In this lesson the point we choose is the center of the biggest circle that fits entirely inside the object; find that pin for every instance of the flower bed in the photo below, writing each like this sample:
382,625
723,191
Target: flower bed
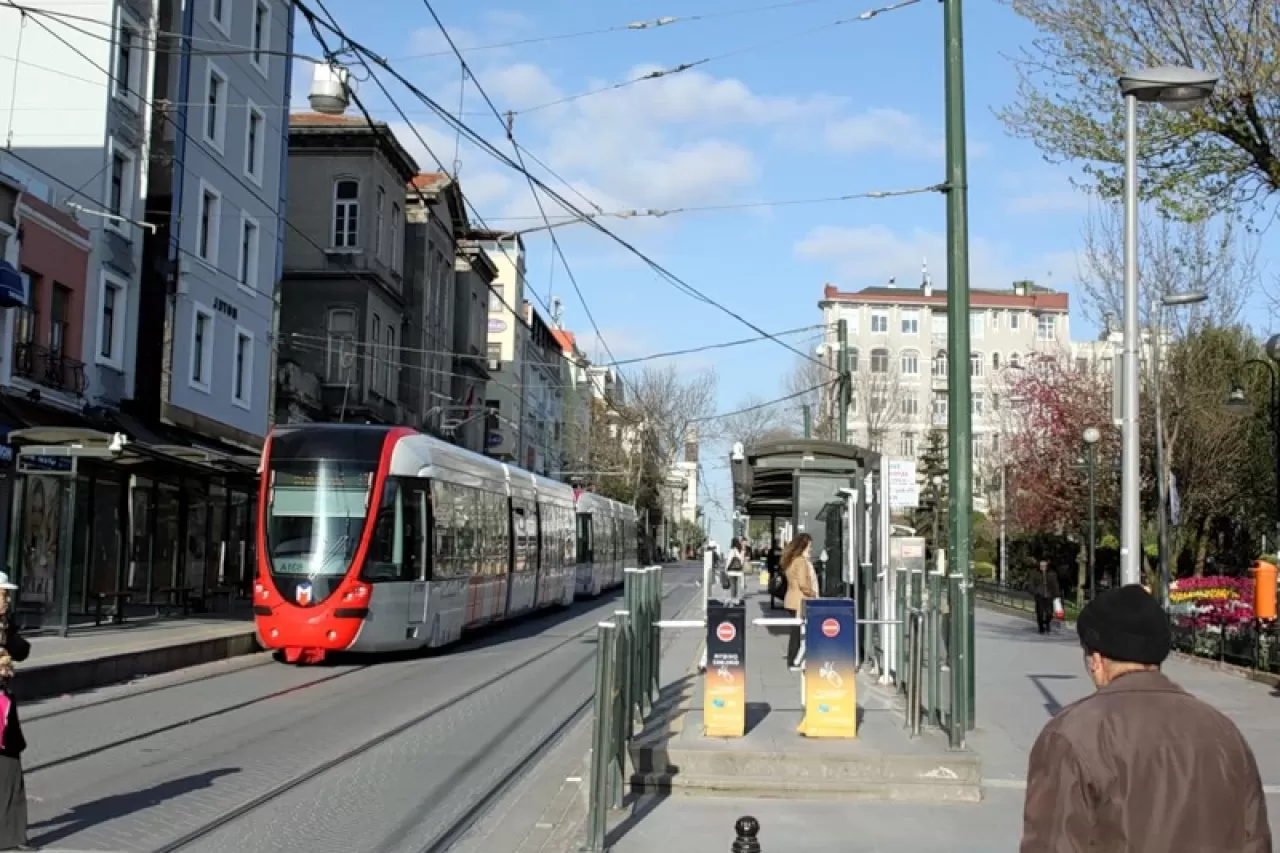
1213,618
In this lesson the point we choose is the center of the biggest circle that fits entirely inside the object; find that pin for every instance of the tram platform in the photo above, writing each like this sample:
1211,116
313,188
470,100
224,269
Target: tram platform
97,657
773,760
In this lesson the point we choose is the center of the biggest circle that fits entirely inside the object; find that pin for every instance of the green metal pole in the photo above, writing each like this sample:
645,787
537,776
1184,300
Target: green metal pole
808,421
935,648
959,412
842,364
598,801
624,664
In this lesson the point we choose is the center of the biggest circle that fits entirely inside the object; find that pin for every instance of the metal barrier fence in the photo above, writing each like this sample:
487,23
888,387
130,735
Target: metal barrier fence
923,647
627,682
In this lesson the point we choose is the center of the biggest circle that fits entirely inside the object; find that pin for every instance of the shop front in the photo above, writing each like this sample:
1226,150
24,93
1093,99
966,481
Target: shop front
107,529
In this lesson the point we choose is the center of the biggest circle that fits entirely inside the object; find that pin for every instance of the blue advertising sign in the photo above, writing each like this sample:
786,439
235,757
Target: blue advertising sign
830,668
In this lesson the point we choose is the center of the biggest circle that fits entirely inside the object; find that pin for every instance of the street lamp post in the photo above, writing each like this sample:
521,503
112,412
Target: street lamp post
1173,300
1091,436
1174,87
1238,401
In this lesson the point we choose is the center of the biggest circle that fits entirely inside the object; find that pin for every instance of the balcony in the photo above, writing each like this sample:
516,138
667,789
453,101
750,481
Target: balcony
49,368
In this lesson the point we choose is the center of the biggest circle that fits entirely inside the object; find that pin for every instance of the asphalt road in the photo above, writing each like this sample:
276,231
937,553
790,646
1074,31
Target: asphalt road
139,773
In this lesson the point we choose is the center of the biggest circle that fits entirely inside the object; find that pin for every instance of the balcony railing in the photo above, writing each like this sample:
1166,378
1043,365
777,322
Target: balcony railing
49,368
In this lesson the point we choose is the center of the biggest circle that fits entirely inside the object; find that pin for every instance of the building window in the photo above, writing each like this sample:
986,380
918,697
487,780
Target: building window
975,364
120,190
249,249
346,214
255,143
940,408
394,237
112,303
879,361
939,323
209,224
130,59
940,365
340,356
976,325
495,357
59,312
243,388
27,318
911,322
907,444
979,404
393,363
215,107
910,363
995,361
1046,327
910,405
220,15
496,297
377,223
879,321
261,36
853,360
1014,363
201,347
375,369
1015,321
879,402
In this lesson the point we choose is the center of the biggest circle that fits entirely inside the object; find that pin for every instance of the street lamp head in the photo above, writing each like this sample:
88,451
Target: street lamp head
1091,435
1237,401
1180,88
1186,297
1273,347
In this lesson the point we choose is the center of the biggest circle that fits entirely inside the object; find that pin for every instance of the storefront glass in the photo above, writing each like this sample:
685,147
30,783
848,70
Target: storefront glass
196,535
142,539
104,567
166,552
218,558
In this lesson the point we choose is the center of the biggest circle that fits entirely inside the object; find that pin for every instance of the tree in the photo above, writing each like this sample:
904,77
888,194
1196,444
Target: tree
1215,159
612,467
690,535
877,396
756,420
933,505
812,384
1213,258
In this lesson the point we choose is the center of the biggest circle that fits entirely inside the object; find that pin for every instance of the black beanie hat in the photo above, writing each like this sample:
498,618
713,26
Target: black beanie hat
1126,625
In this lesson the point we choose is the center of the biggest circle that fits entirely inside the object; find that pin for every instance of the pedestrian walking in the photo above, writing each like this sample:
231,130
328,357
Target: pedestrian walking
1140,766
1045,587
13,790
802,585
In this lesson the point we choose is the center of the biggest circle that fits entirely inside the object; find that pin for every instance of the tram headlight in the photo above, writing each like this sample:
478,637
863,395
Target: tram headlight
358,592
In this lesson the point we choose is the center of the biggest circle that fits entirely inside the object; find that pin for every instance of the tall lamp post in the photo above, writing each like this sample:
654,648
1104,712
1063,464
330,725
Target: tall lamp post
1091,436
1179,88
1238,401
1172,300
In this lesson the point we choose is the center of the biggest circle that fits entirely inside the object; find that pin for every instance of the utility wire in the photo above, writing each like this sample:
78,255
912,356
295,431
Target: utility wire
765,405
686,66
456,123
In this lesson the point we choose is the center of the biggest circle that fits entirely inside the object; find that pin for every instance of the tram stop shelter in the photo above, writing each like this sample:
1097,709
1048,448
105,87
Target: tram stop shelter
835,492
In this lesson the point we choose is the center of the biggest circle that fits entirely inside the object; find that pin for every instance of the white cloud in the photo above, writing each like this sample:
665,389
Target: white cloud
1041,191
872,255
884,130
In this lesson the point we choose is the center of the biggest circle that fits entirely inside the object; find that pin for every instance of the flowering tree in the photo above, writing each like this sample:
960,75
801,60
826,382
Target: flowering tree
1050,406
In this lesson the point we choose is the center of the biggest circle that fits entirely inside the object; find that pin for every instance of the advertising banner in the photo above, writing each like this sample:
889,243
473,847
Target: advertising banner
830,668
724,706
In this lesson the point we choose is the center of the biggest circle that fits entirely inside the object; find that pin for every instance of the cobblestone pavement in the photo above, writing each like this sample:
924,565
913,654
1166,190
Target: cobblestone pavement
135,773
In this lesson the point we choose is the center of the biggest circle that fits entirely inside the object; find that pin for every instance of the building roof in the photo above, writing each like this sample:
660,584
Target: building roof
312,127
567,341
307,119
429,182
1035,298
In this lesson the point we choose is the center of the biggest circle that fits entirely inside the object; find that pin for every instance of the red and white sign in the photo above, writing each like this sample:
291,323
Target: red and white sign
725,632
830,627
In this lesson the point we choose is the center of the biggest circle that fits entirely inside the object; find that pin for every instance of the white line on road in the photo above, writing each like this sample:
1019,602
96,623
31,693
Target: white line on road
1021,785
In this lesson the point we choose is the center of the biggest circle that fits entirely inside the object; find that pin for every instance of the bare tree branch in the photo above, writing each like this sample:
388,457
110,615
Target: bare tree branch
668,404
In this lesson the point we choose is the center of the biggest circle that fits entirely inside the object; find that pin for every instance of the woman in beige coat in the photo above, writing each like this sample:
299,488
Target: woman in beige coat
802,585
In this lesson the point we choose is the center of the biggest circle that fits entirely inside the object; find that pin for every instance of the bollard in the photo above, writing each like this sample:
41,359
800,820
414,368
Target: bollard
655,645
746,829
621,699
916,676
901,577
633,591
935,649
598,796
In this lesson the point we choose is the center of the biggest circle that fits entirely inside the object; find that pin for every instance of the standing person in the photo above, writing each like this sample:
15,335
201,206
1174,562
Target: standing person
1044,585
736,562
13,791
802,585
1141,766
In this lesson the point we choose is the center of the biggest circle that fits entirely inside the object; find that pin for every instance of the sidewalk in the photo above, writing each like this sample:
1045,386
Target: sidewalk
1022,679
109,655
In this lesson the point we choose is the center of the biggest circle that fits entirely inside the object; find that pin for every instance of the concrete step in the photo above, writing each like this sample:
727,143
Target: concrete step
946,777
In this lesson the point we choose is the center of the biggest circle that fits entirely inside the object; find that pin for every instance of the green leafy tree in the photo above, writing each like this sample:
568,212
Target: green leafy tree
933,495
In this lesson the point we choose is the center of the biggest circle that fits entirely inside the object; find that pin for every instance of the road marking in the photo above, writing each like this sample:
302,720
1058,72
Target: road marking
576,780
1021,785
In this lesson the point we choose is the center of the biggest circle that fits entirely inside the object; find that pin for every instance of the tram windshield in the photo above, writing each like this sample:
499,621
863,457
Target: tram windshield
316,515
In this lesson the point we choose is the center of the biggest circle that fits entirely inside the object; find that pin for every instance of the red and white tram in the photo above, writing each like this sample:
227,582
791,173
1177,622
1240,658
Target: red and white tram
375,538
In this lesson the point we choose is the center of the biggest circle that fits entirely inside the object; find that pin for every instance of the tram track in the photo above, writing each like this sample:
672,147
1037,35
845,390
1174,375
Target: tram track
457,827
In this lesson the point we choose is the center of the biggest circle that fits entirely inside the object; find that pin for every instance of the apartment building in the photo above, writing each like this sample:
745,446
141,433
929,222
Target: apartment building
507,344
474,275
345,306
542,430
576,403
898,358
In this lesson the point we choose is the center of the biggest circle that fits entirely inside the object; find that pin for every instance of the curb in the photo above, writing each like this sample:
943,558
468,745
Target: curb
56,679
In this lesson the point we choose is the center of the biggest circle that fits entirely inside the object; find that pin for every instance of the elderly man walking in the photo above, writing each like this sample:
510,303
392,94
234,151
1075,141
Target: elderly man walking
1140,766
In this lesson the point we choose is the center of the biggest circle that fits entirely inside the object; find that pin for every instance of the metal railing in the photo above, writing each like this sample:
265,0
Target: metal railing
627,682
922,648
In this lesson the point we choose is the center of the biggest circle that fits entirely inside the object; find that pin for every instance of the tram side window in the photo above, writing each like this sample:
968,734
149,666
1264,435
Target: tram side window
385,560
446,531
415,532
497,533
569,535
584,538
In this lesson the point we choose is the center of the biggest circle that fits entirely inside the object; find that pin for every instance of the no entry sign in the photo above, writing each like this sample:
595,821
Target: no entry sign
725,632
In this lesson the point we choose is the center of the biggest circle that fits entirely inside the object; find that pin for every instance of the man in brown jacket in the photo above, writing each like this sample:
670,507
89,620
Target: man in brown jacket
1141,766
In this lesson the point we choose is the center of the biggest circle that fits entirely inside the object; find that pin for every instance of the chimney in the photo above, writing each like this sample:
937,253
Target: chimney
926,283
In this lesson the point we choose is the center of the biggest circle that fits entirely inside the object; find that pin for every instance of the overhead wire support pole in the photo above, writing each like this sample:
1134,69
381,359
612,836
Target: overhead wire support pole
842,363
959,406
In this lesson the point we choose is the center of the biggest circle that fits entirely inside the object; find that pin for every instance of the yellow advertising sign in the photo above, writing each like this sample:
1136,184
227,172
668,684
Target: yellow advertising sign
830,669
724,706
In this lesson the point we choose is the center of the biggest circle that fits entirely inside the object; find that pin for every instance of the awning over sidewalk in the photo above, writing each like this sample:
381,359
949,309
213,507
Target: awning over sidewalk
764,481
120,448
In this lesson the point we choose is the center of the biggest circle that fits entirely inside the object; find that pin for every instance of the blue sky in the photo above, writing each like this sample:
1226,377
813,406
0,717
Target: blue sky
839,110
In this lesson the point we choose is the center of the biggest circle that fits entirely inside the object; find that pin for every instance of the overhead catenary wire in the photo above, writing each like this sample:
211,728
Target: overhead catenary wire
454,122
765,405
